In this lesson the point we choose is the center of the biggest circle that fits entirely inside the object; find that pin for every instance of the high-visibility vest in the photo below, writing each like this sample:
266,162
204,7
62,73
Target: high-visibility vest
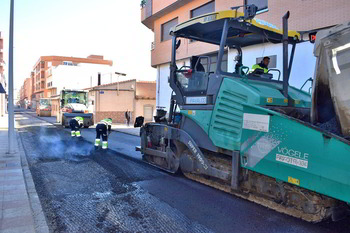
257,66
106,122
80,120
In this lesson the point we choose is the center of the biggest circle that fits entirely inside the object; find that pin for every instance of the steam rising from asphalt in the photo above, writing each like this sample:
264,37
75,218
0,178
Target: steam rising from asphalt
56,148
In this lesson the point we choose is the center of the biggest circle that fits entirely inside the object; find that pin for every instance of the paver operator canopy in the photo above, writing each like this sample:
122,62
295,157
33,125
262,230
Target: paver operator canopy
209,28
231,29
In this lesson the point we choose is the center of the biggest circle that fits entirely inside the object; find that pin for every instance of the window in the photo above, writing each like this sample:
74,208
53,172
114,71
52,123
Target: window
49,72
165,29
204,9
67,63
213,61
273,61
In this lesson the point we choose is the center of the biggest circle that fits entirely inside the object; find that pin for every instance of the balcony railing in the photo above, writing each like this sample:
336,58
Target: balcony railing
146,10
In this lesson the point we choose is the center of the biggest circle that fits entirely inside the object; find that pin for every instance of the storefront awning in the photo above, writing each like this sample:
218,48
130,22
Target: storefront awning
2,90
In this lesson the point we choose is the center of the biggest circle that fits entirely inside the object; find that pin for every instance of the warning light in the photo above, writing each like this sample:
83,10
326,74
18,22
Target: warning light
312,37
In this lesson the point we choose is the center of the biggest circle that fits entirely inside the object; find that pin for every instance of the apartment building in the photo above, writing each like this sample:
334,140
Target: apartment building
3,85
51,74
114,99
159,16
26,93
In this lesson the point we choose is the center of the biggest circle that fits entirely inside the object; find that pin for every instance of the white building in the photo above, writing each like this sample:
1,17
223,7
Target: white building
78,76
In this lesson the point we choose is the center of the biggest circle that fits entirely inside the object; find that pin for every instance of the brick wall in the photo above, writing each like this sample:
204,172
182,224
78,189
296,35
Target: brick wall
117,116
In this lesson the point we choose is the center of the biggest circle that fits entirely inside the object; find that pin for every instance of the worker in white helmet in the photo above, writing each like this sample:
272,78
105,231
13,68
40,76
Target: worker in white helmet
103,128
75,124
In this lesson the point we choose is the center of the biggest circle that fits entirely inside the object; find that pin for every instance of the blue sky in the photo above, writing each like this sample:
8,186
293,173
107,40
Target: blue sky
78,28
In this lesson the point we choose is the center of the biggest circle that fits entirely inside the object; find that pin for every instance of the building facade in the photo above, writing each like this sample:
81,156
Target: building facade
159,16
114,99
44,82
26,94
51,74
3,84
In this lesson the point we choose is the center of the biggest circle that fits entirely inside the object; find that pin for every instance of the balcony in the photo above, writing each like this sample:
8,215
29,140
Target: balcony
155,9
146,10
42,74
42,85
49,72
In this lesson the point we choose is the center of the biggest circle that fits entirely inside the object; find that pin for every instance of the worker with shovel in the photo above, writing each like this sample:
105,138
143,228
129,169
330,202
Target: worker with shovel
103,128
75,124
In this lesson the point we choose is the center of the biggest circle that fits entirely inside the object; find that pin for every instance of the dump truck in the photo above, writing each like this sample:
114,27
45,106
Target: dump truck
252,134
43,108
74,103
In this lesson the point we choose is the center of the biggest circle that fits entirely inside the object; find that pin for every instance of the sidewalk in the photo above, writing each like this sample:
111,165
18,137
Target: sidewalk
125,129
20,208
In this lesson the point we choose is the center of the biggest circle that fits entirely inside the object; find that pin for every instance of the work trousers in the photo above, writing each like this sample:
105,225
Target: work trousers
74,126
101,130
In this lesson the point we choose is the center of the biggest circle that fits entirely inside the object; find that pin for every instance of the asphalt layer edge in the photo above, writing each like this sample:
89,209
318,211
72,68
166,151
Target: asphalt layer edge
40,223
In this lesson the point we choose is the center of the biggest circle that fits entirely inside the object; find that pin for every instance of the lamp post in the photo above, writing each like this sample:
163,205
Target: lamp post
119,74
11,129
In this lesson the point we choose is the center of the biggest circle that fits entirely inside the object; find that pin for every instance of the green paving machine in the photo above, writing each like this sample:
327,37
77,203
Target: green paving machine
252,134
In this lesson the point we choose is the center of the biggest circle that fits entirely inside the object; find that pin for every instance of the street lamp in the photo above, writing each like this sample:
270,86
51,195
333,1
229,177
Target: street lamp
119,74
11,129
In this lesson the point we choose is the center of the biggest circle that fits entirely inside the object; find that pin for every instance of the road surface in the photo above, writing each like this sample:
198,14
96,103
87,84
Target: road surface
87,190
